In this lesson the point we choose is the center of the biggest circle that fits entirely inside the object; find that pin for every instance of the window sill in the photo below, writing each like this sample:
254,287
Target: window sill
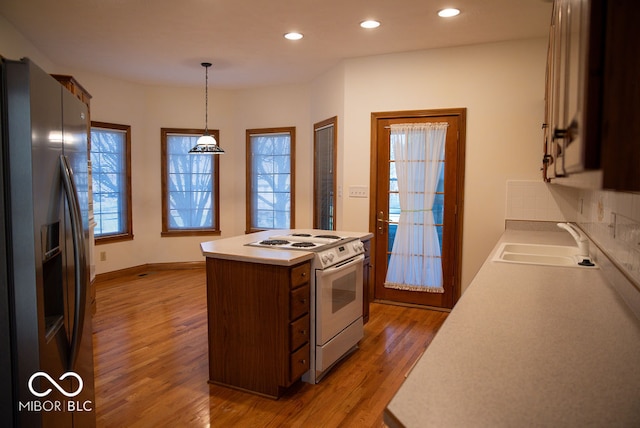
203,232
108,239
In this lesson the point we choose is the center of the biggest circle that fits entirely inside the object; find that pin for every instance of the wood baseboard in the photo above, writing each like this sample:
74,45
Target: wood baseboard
411,305
147,268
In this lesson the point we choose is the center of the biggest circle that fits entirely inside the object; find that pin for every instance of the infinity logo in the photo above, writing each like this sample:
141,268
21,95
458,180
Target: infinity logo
54,383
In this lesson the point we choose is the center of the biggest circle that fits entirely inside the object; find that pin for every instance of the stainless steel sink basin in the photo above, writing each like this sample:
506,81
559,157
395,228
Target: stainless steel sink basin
535,254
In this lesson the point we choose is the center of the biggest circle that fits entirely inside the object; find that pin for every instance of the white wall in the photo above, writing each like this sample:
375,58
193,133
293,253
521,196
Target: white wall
14,46
502,87
500,84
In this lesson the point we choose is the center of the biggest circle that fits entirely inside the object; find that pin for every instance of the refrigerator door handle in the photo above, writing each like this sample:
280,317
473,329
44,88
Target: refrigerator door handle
79,257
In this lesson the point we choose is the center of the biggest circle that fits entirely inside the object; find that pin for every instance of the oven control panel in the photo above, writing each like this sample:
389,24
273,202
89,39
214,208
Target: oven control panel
340,253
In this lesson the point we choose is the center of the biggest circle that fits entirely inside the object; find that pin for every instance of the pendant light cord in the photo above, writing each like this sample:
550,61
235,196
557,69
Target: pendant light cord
206,66
206,143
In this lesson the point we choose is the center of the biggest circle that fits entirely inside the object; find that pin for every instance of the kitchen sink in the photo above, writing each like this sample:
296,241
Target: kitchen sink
537,254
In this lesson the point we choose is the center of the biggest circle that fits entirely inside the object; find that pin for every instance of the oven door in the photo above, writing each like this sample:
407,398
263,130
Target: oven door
338,298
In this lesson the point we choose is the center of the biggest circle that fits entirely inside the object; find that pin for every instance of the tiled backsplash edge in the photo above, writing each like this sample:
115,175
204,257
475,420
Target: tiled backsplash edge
532,225
627,288
612,222
612,219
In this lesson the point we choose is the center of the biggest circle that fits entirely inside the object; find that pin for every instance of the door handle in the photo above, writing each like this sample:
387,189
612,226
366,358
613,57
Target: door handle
79,258
381,222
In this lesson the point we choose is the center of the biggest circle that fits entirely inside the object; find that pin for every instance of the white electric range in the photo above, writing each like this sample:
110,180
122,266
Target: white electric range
336,294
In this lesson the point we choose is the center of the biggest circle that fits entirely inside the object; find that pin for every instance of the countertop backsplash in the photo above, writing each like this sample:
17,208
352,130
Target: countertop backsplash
539,201
611,219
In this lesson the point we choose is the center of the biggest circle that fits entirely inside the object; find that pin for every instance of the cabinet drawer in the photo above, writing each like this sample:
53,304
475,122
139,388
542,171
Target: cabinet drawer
299,363
300,275
299,332
299,304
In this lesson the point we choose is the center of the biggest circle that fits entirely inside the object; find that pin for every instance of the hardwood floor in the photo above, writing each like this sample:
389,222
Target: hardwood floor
151,368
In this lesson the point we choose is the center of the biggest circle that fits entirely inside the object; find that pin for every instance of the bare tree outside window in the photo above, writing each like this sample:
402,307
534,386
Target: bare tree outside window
270,178
111,181
189,182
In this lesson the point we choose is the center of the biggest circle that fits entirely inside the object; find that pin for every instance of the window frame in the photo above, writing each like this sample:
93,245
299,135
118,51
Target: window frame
128,233
291,130
215,183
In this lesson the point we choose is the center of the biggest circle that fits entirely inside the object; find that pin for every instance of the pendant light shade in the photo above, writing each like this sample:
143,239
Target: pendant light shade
206,143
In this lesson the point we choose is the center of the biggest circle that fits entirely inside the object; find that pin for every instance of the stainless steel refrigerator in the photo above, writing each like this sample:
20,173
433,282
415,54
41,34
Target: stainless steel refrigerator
46,350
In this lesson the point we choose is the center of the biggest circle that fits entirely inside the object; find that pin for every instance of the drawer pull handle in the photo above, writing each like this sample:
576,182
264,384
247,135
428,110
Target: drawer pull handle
303,300
304,274
303,361
303,331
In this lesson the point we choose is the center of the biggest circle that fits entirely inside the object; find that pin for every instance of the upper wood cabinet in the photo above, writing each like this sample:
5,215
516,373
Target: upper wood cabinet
74,87
592,97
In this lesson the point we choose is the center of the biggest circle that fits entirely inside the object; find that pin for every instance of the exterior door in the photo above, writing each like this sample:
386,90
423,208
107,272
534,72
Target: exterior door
385,208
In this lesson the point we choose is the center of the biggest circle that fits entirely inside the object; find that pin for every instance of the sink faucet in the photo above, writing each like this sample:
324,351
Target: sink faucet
581,240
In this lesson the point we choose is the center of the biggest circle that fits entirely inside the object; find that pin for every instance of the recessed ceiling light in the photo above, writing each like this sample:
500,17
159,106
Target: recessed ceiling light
370,23
448,13
293,36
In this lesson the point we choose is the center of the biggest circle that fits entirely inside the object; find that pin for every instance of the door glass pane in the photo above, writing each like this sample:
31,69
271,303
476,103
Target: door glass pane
394,206
324,178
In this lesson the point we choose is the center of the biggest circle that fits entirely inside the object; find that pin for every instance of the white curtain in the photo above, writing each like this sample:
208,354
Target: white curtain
415,262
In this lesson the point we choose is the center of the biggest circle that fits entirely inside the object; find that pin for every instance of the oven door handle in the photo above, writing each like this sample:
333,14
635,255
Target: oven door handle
342,266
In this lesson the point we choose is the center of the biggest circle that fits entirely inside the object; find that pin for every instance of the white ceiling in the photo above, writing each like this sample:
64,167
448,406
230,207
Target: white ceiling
164,41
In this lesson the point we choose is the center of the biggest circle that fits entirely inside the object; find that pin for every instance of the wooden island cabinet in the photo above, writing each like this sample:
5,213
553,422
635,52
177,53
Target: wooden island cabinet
258,317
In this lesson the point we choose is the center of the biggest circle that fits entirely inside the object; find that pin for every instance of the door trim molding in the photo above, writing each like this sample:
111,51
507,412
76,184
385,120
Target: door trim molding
461,113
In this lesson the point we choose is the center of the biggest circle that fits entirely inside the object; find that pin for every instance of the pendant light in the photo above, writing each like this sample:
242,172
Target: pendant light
206,143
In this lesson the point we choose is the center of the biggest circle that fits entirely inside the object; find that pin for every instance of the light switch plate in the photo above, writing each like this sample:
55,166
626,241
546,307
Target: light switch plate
358,192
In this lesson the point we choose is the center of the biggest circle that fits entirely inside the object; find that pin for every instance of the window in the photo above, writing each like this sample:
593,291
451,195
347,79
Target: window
111,181
190,200
324,174
270,178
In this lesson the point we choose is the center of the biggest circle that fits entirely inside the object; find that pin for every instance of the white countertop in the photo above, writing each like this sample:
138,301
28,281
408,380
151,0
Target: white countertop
235,248
528,345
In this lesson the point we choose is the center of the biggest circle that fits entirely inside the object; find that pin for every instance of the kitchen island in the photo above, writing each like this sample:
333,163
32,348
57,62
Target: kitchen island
236,248
528,345
259,314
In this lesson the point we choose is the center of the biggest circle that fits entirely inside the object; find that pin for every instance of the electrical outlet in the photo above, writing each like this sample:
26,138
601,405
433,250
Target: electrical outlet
358,192
103,256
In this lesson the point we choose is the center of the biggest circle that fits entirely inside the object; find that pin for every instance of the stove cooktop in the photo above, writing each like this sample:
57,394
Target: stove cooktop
329,249
301,241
